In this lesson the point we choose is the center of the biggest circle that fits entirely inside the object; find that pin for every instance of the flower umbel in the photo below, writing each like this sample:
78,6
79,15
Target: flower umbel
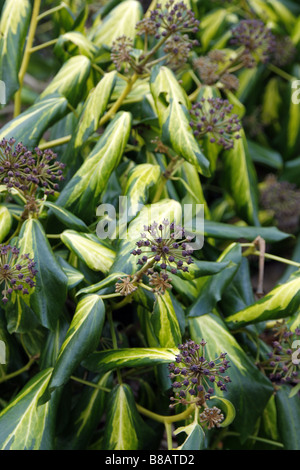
283,368
197,374
121,53
165,246
17,271
214,117
258,40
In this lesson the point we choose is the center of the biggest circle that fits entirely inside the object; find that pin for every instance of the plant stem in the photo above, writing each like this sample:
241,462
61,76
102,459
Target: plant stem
166,419
269,256
49,12
56,142
90,384
255,438
168,427
19,371
26,57
171,168
119,101
280,72
42,46
114,340
99,69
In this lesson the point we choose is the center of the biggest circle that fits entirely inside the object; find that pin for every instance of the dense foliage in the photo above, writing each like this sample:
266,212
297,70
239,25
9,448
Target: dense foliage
124,125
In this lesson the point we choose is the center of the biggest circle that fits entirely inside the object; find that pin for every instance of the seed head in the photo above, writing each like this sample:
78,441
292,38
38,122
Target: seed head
213,117
195,374
17,271
258,40
173,17
212,417
121,52
125,286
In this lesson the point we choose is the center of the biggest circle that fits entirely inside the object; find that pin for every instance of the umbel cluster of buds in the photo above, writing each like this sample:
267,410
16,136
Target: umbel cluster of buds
26,170
195,375
213,117
164,247
168,23
282,367
17,271
255,43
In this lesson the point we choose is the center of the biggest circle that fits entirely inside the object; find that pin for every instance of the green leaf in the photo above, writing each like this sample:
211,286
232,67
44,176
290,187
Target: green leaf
74,43
288,415
265,156
86,414
89,249
165,322
94,109
249,390
211,287
229,411
172,104
280,302
74,276
30,126
195,437
125,429
82,339
53,343
81,195
121,21
66,217
70,81
5,222
140,179
220,230
14,23
107,283
241,181
23,424
103,361
50,292
270,419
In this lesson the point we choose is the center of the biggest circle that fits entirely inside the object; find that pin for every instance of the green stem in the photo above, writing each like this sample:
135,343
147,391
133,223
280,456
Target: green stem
114,340
90,384
27,53
56,142
166,419
280,72
269,256
19,371
42,46
256,438
119,101
168,427
99,69
50,11
171,168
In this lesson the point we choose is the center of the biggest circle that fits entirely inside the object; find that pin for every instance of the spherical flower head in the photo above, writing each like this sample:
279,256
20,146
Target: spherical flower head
178,48
173,17
213,118
20,168
282,198
146,26
47,171
258,40
17,271
284,51
15,164
212,417
195,374
166,246
281,360
121,53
